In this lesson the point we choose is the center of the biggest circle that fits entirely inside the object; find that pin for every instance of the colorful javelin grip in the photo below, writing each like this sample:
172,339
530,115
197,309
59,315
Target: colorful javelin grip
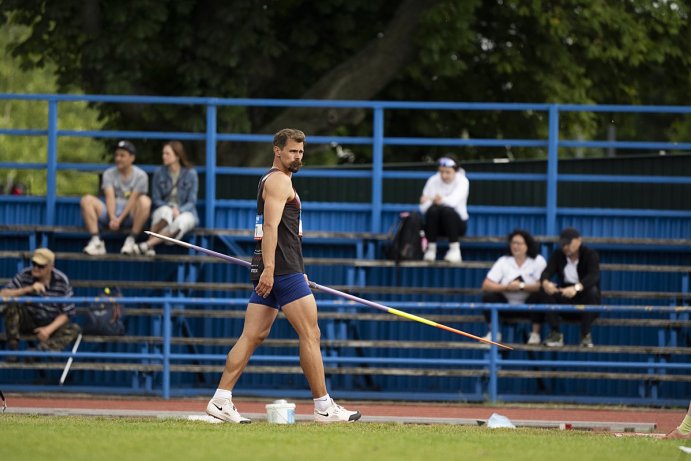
325,289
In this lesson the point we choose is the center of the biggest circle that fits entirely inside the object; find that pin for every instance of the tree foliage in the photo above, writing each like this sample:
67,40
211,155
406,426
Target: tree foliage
16,114
563,51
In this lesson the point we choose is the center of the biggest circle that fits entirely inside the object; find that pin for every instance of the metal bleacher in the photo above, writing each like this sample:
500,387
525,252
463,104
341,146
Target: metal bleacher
184,310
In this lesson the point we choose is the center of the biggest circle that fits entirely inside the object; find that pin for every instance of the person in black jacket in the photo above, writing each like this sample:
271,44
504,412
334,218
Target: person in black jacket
577,269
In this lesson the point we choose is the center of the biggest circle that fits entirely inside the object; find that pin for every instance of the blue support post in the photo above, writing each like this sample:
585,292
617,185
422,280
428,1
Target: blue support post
377,168
167,330
552,169
210,186
493,355
52,162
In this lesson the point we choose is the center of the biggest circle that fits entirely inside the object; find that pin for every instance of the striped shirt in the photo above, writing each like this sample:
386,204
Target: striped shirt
44,313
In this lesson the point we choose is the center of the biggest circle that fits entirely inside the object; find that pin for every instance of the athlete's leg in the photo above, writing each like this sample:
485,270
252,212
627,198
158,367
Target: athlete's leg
684,429
258,321
302,315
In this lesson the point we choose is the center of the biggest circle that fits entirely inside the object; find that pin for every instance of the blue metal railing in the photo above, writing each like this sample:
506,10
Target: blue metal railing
492,362
378,141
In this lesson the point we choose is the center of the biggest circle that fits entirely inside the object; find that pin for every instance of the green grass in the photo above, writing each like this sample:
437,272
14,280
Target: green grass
73,438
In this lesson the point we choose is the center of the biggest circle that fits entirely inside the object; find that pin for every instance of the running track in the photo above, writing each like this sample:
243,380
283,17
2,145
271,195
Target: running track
664,419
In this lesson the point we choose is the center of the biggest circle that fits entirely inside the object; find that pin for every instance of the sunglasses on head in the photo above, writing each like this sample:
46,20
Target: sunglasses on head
37,265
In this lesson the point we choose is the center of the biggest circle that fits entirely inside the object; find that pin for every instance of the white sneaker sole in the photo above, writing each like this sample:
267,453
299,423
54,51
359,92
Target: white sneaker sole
352,418
223,417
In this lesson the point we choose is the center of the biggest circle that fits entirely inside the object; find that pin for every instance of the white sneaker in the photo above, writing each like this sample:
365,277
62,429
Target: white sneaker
554,339
534,338
336,414
144,249
430,254
453,256
95,247
224,410
128,248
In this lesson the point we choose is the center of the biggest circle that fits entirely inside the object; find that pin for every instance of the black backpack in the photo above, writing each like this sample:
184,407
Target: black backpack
106,318
406,241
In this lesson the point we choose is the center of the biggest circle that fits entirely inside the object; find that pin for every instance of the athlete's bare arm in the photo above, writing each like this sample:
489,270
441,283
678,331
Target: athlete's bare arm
278,190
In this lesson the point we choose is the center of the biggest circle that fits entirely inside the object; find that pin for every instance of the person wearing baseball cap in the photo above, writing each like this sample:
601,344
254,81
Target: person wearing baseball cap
126,204
49,321
577,270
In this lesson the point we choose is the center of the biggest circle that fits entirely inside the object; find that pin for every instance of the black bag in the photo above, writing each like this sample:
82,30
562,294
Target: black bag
406,242
105,318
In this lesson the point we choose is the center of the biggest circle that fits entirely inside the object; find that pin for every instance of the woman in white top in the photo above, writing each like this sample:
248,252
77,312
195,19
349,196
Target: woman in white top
444,203
515,279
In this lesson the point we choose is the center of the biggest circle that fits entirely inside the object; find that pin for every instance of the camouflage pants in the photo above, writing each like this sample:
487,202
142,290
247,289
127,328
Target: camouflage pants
18,321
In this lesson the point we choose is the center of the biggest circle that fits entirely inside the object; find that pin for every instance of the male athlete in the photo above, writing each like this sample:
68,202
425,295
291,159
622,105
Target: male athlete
278,275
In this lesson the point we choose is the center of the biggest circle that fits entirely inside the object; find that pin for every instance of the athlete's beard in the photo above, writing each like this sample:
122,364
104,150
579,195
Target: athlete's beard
294,167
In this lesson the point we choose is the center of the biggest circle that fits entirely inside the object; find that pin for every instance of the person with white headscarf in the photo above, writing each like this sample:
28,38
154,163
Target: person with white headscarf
444,204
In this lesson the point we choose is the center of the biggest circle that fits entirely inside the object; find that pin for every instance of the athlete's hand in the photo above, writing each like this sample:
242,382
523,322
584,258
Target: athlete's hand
265,284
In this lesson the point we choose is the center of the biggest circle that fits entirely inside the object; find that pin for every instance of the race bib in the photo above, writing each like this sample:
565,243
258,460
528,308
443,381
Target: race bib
259,227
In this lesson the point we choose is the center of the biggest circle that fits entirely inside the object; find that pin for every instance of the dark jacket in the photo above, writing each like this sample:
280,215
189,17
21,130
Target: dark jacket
588,267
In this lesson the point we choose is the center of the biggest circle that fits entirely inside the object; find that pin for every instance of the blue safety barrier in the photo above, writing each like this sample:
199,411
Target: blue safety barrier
491,362
375,216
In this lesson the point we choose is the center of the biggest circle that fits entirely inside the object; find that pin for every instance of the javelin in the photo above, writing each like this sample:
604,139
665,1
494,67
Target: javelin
332,291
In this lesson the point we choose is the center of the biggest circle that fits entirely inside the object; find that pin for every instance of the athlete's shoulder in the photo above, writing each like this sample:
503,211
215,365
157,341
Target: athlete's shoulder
279,179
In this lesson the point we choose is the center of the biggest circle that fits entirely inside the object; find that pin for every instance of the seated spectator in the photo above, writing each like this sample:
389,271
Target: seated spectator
48,321
515,279
126,204
577,269
174,194
444,203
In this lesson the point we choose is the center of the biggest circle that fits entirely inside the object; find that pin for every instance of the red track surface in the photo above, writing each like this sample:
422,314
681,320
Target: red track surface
666,420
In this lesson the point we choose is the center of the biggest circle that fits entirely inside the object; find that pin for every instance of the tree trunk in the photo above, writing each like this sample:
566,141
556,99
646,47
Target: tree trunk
359,78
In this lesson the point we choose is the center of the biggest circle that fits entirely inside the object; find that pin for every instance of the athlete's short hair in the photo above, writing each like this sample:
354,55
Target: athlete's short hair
282,137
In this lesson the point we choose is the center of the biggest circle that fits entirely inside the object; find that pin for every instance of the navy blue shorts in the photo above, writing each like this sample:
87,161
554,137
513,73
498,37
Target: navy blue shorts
287,288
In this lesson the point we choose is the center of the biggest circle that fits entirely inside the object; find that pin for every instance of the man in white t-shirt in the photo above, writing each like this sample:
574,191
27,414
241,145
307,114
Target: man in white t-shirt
126,204
515,279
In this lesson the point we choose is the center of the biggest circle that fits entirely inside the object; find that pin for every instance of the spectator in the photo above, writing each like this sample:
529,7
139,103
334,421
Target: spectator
174,194
48,321
683,431
515,279
577,269
444,203
126,204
